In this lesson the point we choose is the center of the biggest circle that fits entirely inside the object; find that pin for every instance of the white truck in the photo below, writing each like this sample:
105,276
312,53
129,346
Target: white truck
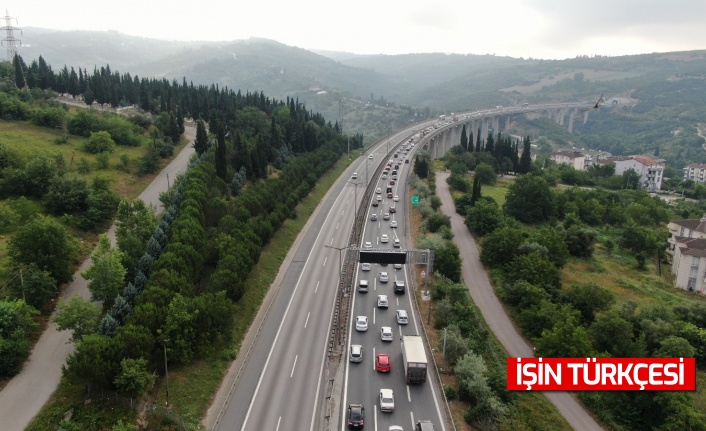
415,359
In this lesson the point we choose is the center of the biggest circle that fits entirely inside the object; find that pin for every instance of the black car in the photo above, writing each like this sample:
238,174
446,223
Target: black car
355,416
393,210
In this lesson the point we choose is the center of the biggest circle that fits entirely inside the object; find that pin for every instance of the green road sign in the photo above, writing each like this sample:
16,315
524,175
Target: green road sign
415,200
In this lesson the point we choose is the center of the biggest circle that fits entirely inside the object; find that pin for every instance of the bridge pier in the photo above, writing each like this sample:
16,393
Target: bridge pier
572,116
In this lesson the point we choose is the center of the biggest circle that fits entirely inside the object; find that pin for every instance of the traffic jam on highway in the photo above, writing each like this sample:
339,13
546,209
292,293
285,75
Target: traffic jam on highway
392,391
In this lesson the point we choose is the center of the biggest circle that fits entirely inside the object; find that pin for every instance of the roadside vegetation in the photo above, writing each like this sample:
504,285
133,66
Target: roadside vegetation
175,283
583,273
471,360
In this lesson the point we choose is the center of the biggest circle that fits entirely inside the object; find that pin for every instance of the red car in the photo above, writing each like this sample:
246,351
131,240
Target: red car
382,363
392,182
389,195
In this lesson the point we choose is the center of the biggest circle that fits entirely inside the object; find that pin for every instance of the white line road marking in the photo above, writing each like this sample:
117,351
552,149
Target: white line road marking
331,243
337,224
373,315
325,259
278,421
376,417
294,366
411,415
307,318
373,358
317,286
409,396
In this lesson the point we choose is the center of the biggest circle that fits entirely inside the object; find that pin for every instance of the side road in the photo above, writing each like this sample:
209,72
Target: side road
476,279
27,392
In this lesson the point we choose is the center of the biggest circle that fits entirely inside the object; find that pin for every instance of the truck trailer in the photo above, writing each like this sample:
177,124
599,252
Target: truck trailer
415,359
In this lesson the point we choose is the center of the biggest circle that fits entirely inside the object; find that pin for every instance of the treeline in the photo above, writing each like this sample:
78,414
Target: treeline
186,285
537,231
261,157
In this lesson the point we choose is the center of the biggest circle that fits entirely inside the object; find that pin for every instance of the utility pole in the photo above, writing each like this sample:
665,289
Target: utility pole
10,36
166,370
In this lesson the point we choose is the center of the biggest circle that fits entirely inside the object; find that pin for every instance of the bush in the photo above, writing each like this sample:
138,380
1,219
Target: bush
99,142
53,118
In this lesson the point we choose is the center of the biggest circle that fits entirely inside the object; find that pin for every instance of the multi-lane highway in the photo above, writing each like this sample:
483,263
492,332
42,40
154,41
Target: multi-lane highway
282,383
362,381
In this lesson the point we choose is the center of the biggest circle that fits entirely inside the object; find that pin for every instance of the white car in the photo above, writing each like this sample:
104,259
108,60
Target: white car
395,428
386,216
402,318
356,353
387,400
365,267
361,323
368,245
378,198
384,176
384,278
398,266
396,198
396,243
385,331
382,301
393,224
384,238
370,156
378,190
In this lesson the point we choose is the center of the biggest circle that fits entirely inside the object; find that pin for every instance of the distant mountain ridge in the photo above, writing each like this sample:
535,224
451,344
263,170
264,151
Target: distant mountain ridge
378,93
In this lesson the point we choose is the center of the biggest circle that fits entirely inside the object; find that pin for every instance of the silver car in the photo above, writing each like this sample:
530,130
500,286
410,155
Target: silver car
387,400
356,353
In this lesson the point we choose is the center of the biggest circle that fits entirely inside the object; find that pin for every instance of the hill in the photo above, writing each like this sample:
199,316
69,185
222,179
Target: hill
654,100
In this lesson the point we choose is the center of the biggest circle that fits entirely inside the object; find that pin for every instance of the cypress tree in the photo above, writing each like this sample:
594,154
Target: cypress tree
464,138
525,159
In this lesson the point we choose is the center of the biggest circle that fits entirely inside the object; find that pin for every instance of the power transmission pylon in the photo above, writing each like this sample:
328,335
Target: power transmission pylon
10,38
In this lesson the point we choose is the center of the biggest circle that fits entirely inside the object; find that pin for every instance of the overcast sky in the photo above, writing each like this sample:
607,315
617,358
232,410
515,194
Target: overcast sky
550,29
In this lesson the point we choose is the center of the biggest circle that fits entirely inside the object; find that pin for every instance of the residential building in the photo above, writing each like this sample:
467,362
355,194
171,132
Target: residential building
575,159
695,172
647,168
687,244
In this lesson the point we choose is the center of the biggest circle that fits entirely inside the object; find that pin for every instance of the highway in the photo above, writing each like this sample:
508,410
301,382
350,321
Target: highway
281,383
363,382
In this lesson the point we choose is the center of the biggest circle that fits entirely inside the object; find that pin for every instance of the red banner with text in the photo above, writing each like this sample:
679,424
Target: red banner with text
601,374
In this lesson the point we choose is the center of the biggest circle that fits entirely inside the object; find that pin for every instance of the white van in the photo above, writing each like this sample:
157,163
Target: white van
363,286
355,175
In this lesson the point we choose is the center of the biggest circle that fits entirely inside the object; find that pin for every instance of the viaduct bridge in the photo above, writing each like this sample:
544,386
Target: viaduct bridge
444,136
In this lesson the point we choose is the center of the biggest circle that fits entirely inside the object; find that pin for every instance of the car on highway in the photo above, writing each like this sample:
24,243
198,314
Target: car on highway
382,301
402,318
382,363
355,175
373,217
399,286
384,238
368,245
384,176
395,428
356,354
398,266
392,181
386,333
370,156
386,216
406,160
361,323
396,198
376,202
393,224
396,243
363,286
384,278
389,195
387,400
356,413
365,267
424,426
393,209
378,190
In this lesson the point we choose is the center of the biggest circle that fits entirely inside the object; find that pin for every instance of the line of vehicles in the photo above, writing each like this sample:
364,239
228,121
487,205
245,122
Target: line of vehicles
414,360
